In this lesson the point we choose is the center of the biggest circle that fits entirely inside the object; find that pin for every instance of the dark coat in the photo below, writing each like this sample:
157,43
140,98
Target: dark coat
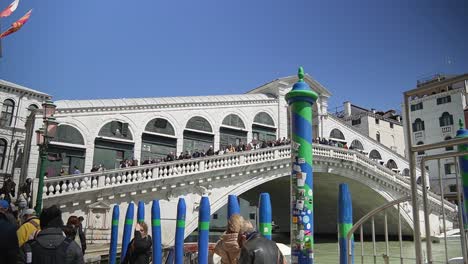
52,238
259,250
8,241
139,250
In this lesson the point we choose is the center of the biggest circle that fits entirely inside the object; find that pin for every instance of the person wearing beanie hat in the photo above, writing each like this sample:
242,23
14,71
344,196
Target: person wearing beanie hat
30,227
5,209
51,243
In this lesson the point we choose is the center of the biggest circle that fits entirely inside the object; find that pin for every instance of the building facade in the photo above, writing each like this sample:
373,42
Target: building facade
18,103
434,112
384,127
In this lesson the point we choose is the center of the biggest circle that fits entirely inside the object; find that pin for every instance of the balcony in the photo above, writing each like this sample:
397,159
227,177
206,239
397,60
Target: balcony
418,135
446,130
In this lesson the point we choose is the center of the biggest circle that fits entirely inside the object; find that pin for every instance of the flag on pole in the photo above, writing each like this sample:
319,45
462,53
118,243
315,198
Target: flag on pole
17,25
10,9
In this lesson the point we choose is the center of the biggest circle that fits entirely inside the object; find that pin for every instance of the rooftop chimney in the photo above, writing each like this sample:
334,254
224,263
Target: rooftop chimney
347,109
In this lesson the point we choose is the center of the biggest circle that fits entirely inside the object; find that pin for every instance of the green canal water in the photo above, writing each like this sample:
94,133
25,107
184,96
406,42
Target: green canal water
328,253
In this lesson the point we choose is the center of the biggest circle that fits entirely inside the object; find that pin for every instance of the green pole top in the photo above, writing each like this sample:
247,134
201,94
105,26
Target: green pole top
460,123
300,74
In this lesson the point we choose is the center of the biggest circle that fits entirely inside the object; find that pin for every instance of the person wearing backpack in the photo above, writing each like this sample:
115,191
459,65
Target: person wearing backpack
50,245
139,249
30,227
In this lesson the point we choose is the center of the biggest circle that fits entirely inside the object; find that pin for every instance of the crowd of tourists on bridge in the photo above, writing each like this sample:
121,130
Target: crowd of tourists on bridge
27,238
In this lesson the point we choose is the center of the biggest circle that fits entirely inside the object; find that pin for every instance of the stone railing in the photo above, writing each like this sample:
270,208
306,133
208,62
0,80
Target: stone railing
65,185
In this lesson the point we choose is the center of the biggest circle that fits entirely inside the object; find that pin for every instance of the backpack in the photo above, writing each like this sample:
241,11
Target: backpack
37,254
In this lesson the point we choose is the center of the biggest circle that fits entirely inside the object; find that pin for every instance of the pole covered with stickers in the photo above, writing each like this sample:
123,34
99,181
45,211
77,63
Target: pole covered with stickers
300,100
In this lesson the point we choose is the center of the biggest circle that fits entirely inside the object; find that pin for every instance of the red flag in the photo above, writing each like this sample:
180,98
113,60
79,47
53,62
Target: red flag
17,25
10,9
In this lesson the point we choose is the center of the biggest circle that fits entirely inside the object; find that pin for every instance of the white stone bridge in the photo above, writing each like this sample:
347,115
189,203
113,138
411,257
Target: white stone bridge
371,184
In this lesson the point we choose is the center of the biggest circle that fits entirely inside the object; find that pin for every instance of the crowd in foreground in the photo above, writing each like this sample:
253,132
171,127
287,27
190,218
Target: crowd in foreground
27,238
46,240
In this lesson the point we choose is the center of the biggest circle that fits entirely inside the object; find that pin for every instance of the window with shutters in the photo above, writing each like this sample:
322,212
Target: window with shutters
3,147
355,122
417,106
418,125
446,119
444,100
449,168
448,148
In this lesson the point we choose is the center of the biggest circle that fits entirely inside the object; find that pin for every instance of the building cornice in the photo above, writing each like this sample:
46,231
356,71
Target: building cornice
435,96
163,106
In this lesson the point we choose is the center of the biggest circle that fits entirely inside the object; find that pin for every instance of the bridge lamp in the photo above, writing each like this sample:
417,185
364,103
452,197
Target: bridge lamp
43,136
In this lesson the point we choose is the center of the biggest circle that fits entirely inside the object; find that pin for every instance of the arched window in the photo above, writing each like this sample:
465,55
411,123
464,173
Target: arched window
161,126
7,113
69,134
116,129
199,123
446,119
233,121
337,134
405,172
356,144
264,118
374,154
418,125
420,152
3,147
448,148
391,164
377,136
32,108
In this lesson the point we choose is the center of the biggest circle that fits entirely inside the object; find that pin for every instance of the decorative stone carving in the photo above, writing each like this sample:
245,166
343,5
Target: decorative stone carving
98,223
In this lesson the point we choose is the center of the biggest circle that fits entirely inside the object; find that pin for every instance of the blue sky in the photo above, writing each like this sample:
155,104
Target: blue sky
366,51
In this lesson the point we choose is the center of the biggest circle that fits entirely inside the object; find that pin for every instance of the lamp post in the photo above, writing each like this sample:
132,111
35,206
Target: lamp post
43,136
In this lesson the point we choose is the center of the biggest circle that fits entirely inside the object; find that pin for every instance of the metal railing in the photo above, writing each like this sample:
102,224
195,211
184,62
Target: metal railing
371,215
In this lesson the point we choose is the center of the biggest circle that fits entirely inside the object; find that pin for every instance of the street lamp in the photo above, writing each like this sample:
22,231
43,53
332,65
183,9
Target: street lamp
43,136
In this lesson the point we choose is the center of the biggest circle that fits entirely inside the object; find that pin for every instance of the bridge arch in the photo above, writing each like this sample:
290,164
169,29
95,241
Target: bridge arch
375,155
113,145
198,134
356,144
391,164
66,151
158,139
263,127
337,135
232,131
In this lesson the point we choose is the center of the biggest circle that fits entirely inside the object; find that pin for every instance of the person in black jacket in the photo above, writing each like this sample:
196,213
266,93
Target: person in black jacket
139,249
256,249
8,241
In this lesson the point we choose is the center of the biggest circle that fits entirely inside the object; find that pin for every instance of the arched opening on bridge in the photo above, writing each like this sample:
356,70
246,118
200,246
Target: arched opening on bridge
113,145
406,172
356,144
337,135
391,164
263,127
65,152
232,131
375,155
198,134
158,140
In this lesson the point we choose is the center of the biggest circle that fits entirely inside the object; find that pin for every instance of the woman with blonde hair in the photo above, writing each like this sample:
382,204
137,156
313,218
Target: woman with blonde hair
227,247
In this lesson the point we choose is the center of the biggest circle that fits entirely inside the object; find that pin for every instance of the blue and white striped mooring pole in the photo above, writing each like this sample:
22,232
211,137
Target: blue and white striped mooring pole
114,235
180,231
233,206
345,222
141,212
156,232
127,233
203,229
265,215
